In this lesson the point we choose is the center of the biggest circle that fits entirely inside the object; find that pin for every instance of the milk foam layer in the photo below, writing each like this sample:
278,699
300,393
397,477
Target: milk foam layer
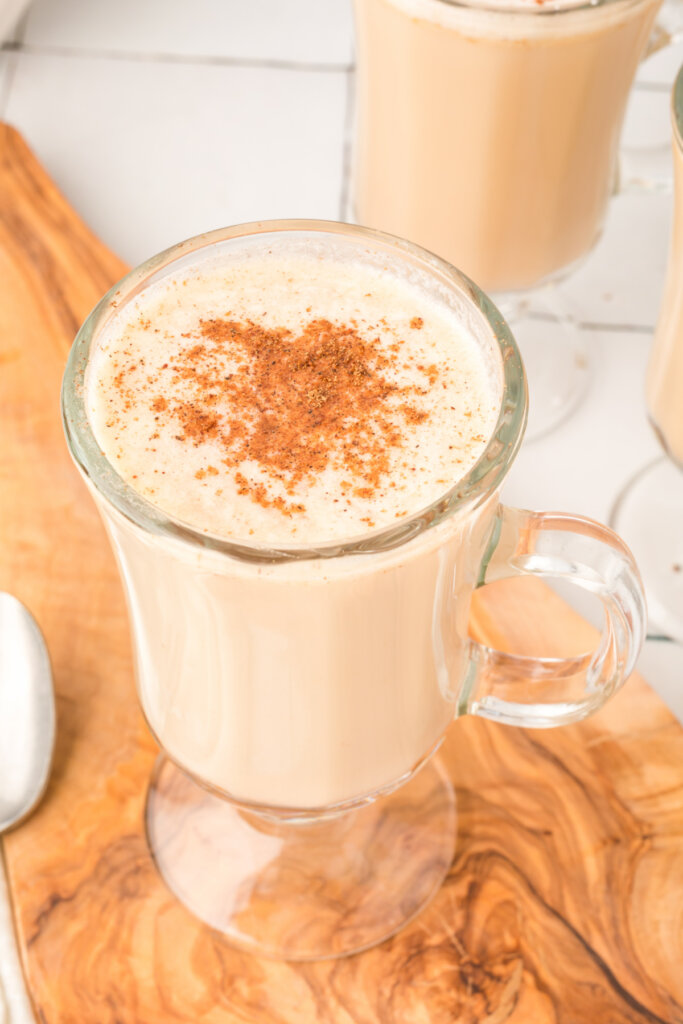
440,410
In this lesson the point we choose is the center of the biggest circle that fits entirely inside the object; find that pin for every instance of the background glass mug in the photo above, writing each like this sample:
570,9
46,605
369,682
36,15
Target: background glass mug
298,692
488,133
650,509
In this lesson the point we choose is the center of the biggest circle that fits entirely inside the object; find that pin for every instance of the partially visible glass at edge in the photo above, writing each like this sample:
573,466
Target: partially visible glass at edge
677,108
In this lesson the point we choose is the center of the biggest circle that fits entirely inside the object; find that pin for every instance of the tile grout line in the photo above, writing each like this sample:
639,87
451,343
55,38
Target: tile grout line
615,328
664,87
276,64
593,325
345,211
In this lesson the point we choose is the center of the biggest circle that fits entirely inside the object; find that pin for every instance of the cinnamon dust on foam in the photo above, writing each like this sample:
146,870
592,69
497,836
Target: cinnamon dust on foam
293,404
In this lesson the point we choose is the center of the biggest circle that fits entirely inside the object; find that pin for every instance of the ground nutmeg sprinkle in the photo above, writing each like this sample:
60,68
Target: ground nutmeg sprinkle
293,403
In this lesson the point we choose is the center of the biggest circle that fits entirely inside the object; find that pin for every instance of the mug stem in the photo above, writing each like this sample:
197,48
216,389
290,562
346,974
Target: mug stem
314,890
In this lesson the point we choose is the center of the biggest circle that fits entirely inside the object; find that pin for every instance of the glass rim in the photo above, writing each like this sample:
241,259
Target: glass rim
468,492
534,8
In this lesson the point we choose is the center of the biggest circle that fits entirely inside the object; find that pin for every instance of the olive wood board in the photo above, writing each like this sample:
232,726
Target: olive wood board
564,904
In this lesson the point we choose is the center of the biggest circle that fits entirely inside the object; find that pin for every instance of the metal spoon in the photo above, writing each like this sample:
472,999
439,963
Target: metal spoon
27,712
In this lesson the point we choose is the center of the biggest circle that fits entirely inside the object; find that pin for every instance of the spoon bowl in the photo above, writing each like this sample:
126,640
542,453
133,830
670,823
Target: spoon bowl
27,713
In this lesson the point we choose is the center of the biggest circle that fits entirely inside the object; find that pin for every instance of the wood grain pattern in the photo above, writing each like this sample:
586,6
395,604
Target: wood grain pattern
565,900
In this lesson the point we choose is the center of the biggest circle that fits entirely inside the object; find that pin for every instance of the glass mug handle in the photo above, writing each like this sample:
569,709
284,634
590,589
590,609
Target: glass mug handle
647,169
544,692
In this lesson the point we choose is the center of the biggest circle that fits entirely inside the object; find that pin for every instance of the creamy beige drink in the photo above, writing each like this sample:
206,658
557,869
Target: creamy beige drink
279,397
489,136
664,387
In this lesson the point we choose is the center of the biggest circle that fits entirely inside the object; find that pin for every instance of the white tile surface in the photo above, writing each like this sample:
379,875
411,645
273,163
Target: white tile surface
152,153
663,65
622,279
648,114
583,464
317,31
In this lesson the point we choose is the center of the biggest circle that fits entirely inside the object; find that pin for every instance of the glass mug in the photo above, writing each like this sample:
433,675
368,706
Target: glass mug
299,694
488,133
650,508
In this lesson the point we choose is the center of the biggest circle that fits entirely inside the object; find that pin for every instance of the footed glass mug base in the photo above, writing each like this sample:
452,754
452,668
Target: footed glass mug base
302,888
